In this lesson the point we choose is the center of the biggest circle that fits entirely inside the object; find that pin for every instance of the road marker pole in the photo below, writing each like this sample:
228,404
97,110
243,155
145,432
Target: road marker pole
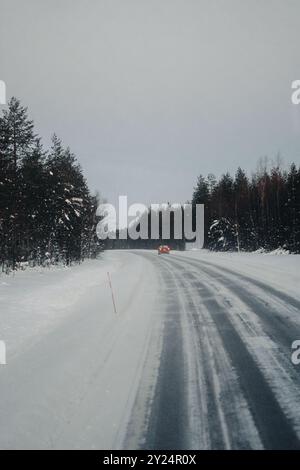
112,293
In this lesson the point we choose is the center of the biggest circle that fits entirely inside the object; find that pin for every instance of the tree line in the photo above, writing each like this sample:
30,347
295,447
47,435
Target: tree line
145,237
261,212
47,213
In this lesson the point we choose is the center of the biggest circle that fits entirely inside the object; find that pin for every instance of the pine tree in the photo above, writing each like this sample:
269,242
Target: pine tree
34,204
17,140
242,213
201,195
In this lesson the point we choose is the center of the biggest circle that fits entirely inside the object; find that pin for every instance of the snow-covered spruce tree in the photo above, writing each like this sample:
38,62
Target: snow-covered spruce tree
223,210
70,205
222,235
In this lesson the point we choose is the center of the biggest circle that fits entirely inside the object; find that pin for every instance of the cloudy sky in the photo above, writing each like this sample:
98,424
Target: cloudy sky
150,93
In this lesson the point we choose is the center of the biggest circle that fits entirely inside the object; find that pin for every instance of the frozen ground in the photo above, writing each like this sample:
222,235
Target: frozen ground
197,356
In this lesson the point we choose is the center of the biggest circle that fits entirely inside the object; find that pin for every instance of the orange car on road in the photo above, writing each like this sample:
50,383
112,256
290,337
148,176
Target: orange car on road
163,249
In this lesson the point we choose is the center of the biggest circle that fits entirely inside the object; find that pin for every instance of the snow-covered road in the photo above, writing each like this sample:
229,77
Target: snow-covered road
198,355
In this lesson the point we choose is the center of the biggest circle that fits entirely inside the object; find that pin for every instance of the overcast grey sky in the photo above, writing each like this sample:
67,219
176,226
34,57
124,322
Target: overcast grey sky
150,93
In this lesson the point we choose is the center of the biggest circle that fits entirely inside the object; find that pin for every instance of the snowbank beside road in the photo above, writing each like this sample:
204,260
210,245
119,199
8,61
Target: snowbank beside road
281,271
34,301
